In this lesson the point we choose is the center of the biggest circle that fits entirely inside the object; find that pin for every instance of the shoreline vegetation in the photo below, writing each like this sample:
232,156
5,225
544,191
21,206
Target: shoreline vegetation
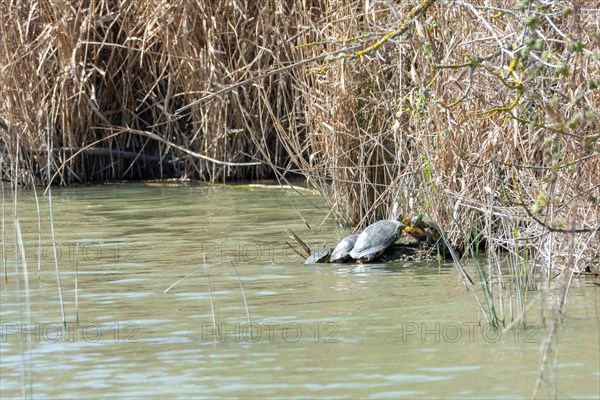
483,118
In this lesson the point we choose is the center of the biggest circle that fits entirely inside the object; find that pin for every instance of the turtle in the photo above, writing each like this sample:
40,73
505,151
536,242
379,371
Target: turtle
406,221
318,256
341,252
422,229
376,238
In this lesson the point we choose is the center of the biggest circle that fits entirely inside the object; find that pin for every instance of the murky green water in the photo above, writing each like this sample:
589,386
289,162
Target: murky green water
377,331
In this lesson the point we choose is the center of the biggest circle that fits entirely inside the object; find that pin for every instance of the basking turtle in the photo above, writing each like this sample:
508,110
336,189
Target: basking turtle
376,238
341,252
318,257
422,229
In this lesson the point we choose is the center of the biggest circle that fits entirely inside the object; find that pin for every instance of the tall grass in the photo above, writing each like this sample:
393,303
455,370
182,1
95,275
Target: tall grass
483,118
481,115
106,80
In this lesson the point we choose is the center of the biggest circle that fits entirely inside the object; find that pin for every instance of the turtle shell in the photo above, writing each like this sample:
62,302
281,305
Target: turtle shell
375,239
341,252
317,257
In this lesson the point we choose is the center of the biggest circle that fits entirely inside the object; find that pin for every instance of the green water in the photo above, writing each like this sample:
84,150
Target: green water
336,331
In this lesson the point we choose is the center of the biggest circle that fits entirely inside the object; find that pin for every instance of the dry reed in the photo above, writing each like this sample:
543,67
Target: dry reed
484,118
105,81
482,115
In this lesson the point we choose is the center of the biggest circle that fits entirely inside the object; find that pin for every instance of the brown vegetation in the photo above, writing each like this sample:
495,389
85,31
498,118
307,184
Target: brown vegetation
111,75
483,117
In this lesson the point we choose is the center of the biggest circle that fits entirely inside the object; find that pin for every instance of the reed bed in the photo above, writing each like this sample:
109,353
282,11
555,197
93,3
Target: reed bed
461,118
100,87
481,115
485,118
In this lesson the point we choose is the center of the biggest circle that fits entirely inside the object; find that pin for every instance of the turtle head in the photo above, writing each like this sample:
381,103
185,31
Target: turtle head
416,220
401,224
417,233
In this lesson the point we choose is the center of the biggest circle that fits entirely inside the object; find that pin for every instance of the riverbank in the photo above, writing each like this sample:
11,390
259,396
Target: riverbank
484,119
